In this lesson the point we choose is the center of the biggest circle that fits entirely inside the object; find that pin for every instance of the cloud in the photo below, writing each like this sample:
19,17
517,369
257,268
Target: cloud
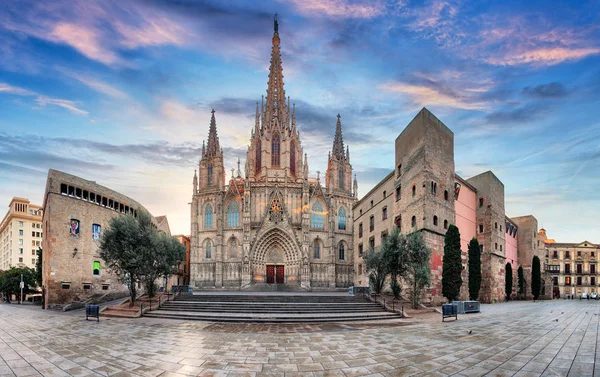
85,39
550,90
95,84
43,100
340,8
544,56
518,115
424,95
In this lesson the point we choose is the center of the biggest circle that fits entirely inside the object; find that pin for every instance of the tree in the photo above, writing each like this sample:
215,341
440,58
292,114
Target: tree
508,281
377,268
536,277
521,280
474,269
452,266
395,256
38,267
418,271
10,281
164,261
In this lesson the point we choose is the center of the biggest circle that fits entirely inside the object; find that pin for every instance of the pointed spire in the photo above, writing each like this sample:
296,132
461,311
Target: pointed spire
305,166
347,153
203,148
276,106
213,140
338,141
195,182
294,118
355,187
257,121
239,172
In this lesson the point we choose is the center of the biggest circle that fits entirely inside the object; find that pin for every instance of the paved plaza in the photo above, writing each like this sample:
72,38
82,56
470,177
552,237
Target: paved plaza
549,338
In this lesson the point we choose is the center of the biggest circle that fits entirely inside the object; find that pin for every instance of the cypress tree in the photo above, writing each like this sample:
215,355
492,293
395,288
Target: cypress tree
474,269
521,280
508,281
536,277
452,266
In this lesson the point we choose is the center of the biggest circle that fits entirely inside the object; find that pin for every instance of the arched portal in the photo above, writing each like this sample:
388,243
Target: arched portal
275,253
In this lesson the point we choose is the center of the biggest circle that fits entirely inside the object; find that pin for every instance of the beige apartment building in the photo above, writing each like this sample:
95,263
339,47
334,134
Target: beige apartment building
372,221
20,234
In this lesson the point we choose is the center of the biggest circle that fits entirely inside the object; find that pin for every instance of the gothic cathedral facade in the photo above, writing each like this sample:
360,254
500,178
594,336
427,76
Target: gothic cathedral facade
274,226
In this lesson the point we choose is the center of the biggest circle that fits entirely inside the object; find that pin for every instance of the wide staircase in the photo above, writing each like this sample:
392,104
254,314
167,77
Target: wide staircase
273,308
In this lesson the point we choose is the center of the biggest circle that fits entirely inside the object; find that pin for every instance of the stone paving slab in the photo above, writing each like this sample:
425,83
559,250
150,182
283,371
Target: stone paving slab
549,338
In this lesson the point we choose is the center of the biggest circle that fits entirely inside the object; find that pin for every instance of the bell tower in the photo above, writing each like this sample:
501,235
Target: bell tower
211,169
339,171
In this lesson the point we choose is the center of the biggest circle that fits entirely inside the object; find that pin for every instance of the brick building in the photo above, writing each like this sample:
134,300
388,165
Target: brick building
76,211
20,234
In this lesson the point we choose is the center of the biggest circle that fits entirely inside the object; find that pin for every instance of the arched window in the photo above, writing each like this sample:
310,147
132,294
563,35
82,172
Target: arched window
445,224
414,190
413,221
341,251
210,172
316,218
317,249
341,177
342,218
275,149
258,158
435,220
293,157
208,212
446,195
233,248
233,214
208,249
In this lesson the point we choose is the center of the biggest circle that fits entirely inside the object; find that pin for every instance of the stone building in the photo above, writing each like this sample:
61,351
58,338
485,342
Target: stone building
273,225
183,278
20,234
76,211
572,267
373,219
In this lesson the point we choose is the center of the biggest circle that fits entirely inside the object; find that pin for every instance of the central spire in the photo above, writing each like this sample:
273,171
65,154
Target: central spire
213,139
276,106
338,140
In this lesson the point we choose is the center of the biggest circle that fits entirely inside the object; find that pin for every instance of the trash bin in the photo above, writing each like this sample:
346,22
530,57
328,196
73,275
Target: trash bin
92,311
449,310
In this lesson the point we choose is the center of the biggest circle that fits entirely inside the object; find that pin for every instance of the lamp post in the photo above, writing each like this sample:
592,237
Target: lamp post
22,285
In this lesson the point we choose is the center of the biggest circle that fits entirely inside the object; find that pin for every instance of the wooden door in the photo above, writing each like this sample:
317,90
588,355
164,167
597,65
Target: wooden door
270,274
279,274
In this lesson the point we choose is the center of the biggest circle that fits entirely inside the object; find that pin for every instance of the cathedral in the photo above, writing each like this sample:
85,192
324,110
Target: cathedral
274,227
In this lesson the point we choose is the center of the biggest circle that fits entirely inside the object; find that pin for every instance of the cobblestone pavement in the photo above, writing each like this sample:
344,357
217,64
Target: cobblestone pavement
550,338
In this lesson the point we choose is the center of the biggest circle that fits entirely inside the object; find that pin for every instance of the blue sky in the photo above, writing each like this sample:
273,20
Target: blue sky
120,92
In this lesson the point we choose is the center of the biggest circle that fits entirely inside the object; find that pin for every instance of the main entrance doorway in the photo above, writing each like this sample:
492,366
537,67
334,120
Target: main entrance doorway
275,274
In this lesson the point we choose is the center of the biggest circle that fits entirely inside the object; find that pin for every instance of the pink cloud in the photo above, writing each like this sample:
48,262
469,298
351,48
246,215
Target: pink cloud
43,100
340,8
87,40
544,56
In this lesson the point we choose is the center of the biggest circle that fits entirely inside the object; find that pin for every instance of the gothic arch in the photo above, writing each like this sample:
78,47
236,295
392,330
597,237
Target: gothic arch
275,240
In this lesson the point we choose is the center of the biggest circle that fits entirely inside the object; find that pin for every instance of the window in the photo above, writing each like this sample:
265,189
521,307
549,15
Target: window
360,213
384,194
360,250
481,248
293,157
414,191
21,260
384,213
398,193
399,170
78,193
71,191
567,268
592,268
258,156
446,195
96,231
20,250
105,287
371,223
360,269
208,216
233,214
480,202
567,255
360,230
316,249
555,254
555,280
413,222
567,280
32,260
496,246
593,280
500,247
275,148
579,268
87,286
579,253
208,249
480,228
578,280
501,228
342,218
85,195
65,286
21,232
210,174
371,204
63,189
341,251
233,248
74,228
372,243
341,177
435,220
592,254
445,224
398,222
433,188
316,217
384,234
33,252
96,270
20,223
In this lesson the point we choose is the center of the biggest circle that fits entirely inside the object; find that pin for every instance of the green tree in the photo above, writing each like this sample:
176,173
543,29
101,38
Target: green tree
452,265
377,267
418,271
536,277
508,281
10,281
474,269
521,280
38,267
395,256
163,261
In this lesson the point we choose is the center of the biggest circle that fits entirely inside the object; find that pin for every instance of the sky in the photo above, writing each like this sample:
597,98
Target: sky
120,92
